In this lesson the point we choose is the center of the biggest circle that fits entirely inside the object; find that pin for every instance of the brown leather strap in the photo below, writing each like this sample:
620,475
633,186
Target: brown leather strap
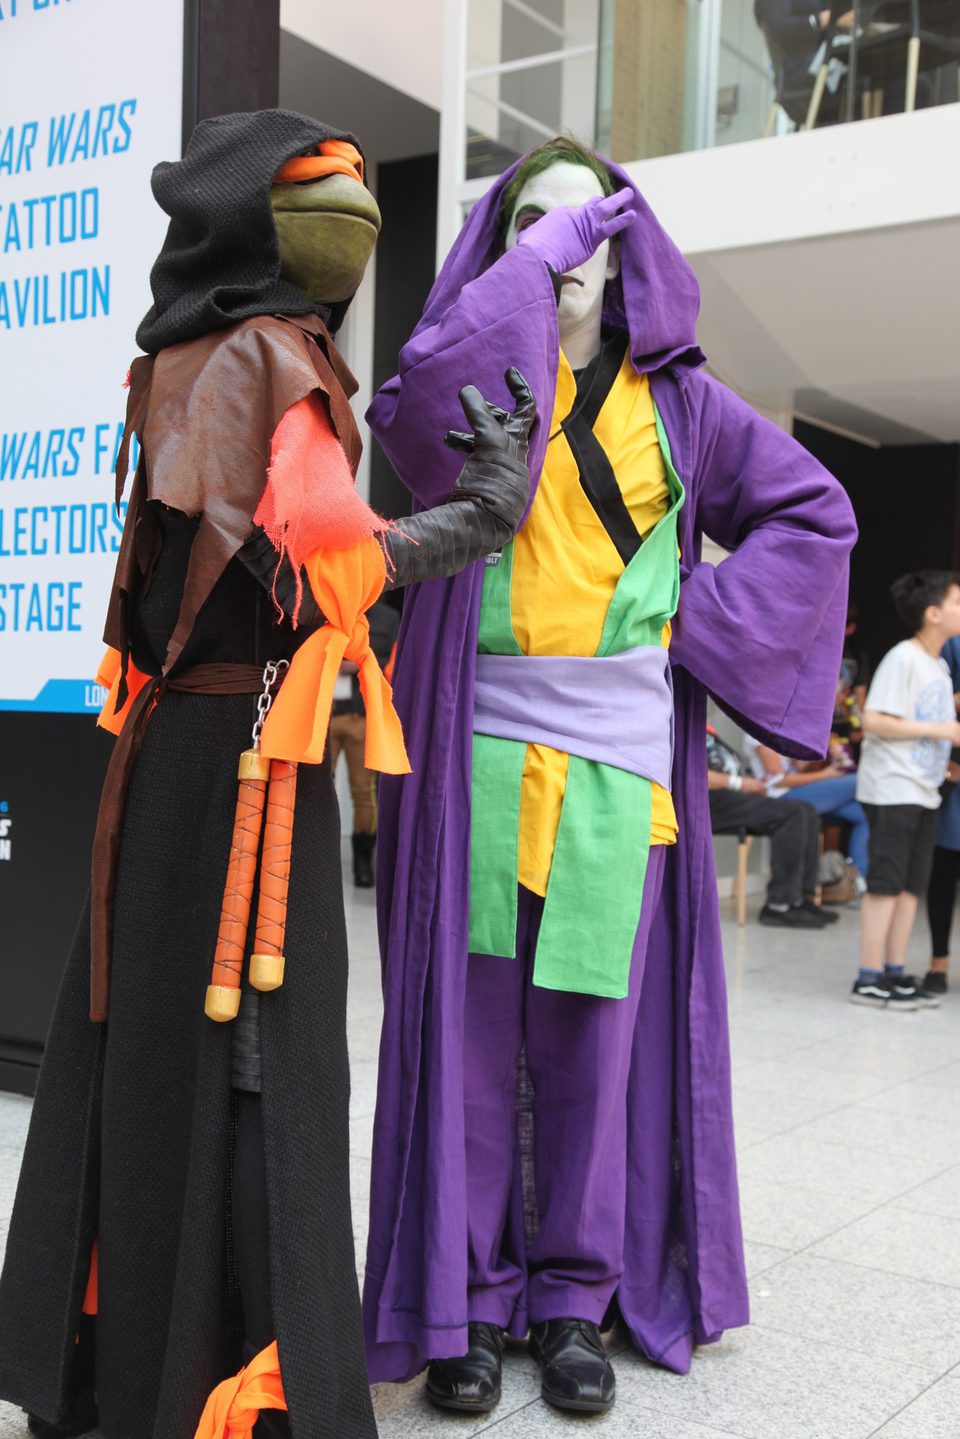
210,679
218,679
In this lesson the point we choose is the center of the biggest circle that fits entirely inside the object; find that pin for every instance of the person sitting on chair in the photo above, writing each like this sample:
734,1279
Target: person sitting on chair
739,804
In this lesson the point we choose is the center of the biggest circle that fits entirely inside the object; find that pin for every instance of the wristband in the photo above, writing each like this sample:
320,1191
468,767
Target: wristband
734,781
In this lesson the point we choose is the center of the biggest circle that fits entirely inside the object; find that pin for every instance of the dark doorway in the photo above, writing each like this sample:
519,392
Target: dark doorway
907,503
407,196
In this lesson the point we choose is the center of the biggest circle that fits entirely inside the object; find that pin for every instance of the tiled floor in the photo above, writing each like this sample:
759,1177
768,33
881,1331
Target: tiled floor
848,1127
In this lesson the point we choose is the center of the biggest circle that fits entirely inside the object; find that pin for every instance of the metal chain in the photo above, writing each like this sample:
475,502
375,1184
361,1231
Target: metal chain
272,675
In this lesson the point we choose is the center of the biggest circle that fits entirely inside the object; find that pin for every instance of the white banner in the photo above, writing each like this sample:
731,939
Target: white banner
90,100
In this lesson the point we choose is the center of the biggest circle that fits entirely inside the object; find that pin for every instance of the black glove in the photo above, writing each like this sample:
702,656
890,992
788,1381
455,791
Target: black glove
489,498
258,556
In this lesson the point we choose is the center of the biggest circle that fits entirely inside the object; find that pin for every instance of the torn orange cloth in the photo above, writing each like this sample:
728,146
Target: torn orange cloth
336,157
234,1406
108,675
310,501
345,584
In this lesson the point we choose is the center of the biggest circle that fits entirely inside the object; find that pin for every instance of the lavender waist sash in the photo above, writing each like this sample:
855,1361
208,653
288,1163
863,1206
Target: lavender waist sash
616,709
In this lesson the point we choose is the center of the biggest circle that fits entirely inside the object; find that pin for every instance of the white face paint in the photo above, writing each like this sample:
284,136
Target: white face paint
578,313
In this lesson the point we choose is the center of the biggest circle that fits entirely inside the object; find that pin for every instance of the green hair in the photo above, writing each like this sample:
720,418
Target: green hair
561,149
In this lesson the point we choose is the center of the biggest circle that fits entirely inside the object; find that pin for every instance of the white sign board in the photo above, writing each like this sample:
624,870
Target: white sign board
90,100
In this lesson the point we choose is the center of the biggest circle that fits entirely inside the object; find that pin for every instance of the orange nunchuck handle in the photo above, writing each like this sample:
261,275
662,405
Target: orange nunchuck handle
275,864
238,891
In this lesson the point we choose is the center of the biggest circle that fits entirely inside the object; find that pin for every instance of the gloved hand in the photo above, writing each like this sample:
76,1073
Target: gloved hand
564,238
495,430
495,476
489,499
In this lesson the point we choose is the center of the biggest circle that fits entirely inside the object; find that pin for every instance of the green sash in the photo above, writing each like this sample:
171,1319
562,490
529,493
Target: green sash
594,894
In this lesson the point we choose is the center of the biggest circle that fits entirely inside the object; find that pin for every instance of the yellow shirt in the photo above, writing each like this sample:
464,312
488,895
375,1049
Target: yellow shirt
565,570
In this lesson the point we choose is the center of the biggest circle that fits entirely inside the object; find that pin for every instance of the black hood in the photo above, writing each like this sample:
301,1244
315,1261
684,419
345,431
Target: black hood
220,262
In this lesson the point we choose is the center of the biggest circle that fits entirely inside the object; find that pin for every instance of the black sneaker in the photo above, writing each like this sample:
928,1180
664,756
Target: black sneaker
798,916
881,994
935,982
828,916
906,984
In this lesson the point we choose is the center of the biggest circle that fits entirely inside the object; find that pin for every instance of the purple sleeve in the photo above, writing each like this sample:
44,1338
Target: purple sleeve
763,631
507,316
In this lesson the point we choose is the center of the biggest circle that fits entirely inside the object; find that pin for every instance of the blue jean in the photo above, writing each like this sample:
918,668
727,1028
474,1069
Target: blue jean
835,799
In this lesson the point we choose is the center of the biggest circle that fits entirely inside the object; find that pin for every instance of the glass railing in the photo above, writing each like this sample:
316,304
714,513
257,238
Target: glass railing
639,78
716,72
531,72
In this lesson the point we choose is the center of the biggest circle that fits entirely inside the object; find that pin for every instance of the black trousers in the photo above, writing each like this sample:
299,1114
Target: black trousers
251,1242
941,897
793,829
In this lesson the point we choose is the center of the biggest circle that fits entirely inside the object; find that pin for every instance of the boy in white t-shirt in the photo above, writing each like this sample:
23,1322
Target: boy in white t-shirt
909,726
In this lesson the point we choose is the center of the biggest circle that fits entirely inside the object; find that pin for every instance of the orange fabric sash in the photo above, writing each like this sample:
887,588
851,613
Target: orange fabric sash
108,675
234,1406
345,584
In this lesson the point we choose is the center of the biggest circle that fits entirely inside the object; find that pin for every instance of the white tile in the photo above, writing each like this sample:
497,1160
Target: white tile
872,1126
895,1239
764,1385
363,1087
809,1080
863,1309
761,1257
768,1112
628,1419
903,1047
15,1112
946,1076
785,1215
13,1424
836,1168
748,1043
935,1196
934,1415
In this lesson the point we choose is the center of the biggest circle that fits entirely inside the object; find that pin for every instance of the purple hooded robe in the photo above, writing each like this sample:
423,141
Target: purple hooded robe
762,633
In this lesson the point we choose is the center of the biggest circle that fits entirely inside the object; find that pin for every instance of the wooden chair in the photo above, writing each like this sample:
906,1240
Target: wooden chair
744,845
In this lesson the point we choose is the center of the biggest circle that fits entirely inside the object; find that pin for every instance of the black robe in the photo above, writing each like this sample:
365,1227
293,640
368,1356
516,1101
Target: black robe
131,1132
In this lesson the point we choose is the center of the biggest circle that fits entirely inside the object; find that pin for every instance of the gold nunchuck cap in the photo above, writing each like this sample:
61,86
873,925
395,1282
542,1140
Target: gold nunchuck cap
222,1004
266,971
253,765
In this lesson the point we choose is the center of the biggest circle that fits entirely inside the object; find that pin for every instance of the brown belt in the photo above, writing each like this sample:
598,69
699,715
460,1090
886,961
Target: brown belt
210,679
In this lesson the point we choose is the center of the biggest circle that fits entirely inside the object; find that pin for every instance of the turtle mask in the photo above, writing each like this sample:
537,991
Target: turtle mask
327,221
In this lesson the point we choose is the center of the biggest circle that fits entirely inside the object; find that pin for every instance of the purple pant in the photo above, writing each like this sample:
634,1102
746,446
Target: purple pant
577,1049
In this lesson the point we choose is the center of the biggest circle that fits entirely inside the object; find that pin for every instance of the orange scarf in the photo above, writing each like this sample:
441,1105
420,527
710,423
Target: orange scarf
234,1406
345,584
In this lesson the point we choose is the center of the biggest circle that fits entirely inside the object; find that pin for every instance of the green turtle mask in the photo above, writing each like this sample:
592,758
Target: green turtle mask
326,229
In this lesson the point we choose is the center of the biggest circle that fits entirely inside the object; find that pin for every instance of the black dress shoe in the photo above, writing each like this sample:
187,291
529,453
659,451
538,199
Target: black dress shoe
575,1371
470,1383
